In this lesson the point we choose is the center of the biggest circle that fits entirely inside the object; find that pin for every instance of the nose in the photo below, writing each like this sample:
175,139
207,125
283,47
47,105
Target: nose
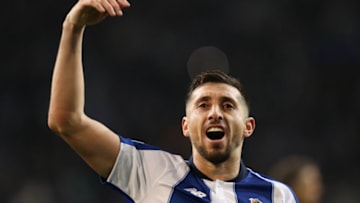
215,113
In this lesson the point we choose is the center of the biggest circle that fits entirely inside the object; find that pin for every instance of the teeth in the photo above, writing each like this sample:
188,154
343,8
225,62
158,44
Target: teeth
215,129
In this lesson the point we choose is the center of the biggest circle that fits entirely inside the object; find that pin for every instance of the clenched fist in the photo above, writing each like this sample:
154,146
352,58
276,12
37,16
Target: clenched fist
90,12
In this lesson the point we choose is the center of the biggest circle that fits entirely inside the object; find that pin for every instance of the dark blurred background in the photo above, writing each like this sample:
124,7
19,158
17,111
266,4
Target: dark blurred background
299,61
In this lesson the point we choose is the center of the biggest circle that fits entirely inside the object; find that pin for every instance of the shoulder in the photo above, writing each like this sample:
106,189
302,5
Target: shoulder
139,145
147,153
280,190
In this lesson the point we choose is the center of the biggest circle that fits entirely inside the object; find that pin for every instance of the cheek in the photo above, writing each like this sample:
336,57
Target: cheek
194,124
237,125
193,127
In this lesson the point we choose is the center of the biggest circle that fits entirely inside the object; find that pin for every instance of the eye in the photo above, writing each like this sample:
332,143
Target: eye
228,106
202,105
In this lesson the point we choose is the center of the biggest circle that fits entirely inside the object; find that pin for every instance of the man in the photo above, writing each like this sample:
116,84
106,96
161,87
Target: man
303,174
217,121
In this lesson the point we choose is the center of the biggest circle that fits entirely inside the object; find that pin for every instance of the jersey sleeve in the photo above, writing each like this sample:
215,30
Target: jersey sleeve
139,166
283,192
280,192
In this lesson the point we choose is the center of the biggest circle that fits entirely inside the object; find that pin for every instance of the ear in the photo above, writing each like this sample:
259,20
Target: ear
185,127
249,126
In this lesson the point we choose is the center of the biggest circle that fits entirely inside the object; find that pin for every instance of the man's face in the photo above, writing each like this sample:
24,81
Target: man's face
217,121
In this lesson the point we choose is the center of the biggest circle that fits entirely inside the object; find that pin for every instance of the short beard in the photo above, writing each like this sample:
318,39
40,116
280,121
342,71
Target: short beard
215,157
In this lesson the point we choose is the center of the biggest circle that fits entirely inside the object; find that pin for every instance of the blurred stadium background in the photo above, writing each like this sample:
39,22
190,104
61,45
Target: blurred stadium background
299,61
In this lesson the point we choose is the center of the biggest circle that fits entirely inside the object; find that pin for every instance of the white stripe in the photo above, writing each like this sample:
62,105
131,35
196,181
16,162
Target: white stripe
142,178
281,193
221,192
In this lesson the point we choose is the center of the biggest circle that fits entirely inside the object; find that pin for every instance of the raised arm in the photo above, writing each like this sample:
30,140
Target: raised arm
93,141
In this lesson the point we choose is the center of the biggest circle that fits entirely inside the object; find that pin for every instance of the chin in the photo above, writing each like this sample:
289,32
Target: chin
217,157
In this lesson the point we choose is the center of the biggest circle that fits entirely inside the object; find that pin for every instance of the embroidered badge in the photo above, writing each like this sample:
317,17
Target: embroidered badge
255,200
196,192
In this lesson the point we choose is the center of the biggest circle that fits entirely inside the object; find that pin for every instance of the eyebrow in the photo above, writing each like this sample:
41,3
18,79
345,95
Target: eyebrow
229,99
222,99
203,98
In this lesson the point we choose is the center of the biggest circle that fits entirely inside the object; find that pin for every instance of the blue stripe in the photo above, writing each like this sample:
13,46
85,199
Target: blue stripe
125,196
138,144
191,189
253,187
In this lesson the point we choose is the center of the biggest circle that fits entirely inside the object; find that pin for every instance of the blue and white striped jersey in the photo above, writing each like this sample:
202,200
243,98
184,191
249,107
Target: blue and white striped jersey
146,174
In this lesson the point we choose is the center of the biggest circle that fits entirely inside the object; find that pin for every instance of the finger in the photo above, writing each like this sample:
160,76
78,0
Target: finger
98,6
116,6
123,3
110,8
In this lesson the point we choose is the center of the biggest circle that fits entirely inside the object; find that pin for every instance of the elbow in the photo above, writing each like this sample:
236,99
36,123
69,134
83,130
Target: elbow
63,124
54,124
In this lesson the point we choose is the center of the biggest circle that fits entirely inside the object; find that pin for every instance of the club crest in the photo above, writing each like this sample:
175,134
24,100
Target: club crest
255,200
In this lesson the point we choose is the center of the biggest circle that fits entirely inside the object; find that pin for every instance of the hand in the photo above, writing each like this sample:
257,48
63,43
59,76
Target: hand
90,12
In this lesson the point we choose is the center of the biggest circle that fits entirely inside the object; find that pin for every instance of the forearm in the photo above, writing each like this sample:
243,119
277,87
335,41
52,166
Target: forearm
67,92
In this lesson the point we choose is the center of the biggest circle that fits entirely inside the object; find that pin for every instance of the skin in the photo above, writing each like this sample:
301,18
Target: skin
99,146
217,105
93,141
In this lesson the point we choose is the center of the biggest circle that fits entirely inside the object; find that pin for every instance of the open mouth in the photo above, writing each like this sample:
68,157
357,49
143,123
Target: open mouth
215,133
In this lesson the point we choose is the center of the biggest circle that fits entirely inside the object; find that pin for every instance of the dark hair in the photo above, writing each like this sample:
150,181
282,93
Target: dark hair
216,76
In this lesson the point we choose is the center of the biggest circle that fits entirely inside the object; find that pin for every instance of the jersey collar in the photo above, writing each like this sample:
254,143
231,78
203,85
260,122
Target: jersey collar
242,174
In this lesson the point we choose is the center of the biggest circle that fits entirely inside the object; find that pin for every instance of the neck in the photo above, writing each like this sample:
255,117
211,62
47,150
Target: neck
225,171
